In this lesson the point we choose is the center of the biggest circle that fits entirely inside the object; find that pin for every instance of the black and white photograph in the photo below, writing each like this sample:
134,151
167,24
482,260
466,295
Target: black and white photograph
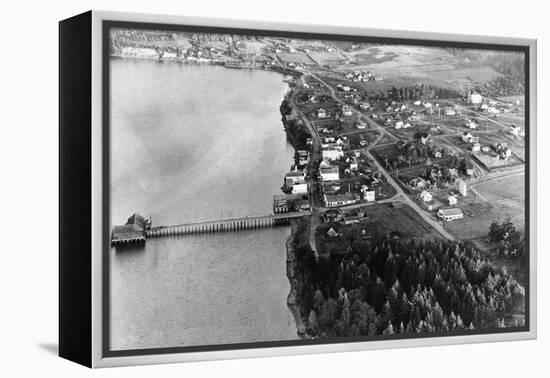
276,189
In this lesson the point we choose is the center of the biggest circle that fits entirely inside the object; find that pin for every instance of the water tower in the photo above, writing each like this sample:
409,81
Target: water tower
462,187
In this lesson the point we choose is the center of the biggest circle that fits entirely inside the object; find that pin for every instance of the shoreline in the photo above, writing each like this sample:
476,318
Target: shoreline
213,62
291,270
291,300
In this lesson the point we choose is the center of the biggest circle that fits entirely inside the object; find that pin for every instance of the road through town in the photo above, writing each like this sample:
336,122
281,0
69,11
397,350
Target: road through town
424,215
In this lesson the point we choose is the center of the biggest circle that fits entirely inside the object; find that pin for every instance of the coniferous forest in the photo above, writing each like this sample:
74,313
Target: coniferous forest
396,287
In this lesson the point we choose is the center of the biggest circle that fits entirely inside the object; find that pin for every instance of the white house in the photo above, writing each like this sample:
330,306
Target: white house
369,195
427,105
398,125
417,102
466,137
329,173
475,98
452,200
361,125
476,147
426,196
321,113
365,106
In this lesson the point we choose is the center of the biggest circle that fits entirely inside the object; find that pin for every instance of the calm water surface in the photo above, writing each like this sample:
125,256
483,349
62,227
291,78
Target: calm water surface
192,143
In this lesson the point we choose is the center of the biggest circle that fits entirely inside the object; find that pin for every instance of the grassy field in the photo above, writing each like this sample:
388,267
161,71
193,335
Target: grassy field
295,58
498,199
380,221
326,58
405,65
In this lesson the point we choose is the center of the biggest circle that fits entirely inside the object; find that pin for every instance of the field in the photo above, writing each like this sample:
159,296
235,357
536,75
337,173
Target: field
326,58
491,163
495,199
380,221
405,65
513,99
296,58
386,139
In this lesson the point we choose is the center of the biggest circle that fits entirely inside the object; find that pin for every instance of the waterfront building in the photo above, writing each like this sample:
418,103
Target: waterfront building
303,157
283,203
131,232
299,187
294,176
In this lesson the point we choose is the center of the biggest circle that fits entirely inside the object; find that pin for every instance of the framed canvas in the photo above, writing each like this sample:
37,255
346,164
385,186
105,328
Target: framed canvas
233,189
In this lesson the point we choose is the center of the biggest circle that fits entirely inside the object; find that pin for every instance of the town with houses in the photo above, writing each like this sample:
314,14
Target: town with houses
378,127
392,142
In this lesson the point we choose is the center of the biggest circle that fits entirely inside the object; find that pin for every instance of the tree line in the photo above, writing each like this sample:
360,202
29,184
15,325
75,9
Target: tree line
511,242
390,286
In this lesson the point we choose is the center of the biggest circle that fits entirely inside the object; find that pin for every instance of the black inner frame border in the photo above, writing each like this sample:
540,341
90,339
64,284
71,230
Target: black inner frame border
108,24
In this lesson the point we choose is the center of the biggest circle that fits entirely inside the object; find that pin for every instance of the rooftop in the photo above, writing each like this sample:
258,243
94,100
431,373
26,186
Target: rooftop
451,211
329,170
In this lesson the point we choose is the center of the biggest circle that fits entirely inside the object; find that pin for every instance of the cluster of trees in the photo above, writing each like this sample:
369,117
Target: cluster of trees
511,241
420,92
296,131
388,287
505,86
414,152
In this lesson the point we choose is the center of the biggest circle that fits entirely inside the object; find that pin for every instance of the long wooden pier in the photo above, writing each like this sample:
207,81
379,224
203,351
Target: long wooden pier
226,225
